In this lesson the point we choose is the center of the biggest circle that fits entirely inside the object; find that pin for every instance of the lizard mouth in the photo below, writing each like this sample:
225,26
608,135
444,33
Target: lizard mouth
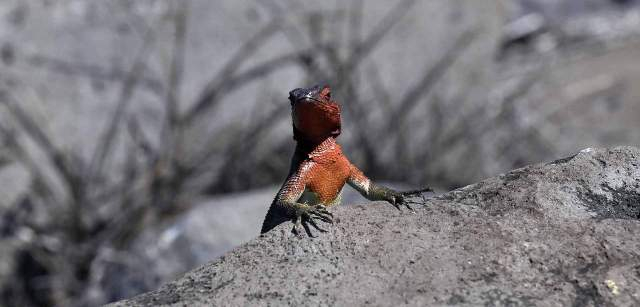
311,99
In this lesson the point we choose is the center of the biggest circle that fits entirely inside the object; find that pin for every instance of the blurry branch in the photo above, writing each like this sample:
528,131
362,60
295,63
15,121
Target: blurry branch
21,154
475,127
167,177
412,97
347,78
72,220
248,138
223,80
93,71
142,142
33,130
347,73
103,149
358,50
212,95
423,87
531,127
366,46
355,24
251,137
177,66
379,89
298,37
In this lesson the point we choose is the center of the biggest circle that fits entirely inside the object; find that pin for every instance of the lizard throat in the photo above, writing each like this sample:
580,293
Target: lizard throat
314,149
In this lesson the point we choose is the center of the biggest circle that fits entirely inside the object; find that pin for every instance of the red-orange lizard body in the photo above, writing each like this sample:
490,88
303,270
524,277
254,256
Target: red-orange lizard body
319,169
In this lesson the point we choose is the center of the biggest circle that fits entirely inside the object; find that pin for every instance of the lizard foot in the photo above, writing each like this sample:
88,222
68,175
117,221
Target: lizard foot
407,198
306,215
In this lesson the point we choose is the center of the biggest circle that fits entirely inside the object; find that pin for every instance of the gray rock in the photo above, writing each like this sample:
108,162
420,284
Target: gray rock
559,233
207,231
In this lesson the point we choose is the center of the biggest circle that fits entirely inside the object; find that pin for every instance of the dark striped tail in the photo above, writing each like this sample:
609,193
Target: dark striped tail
275,216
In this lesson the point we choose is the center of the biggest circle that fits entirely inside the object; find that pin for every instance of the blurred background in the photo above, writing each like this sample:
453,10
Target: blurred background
142,138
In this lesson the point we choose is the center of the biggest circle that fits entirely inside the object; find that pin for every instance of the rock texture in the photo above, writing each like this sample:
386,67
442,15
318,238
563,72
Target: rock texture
561,233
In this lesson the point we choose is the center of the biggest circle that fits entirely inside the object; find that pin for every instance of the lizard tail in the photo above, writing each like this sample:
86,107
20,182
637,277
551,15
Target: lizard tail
275,216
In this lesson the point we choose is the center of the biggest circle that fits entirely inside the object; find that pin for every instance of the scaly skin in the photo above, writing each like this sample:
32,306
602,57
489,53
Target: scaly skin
319,169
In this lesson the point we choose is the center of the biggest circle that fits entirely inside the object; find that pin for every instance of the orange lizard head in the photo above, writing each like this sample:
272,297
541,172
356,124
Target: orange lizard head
315,116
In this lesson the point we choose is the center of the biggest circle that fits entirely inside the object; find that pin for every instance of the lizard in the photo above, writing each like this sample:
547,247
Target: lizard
319,169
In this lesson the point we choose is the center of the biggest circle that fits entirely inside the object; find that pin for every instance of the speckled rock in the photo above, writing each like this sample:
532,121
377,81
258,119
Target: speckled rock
563,233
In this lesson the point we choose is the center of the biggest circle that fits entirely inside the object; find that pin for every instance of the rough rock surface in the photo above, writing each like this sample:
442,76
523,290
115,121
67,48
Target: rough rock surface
561,233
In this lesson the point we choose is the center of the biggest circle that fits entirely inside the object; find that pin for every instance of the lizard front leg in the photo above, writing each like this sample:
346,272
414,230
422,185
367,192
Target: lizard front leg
305,215
285,206
374,192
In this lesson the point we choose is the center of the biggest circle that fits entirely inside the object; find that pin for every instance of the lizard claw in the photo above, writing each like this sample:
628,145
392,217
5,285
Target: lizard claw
398,199
308,215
